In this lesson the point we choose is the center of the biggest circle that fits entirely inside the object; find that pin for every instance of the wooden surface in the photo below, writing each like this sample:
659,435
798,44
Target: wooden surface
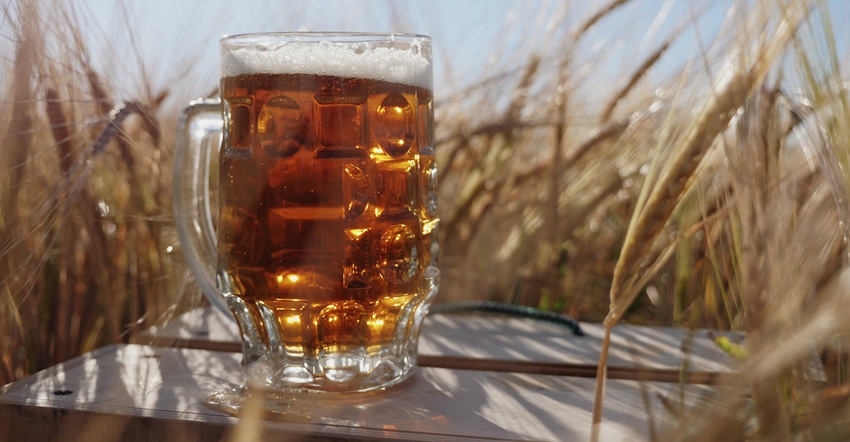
138,392
500,343
482,377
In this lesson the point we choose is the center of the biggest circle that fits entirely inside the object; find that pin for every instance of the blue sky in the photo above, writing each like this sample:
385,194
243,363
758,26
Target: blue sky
175,42
169,33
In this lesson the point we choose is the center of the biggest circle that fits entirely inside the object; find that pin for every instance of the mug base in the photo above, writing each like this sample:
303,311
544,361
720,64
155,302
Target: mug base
296,404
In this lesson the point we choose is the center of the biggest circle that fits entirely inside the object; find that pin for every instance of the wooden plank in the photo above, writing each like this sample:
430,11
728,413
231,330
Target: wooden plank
135,392
203,328
636,352
493,342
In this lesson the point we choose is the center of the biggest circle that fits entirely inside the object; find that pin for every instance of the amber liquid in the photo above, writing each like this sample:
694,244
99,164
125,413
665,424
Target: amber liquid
327,210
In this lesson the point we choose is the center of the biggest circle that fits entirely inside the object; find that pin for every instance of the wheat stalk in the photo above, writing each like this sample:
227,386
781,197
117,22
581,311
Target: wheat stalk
633,80
659,199
18,143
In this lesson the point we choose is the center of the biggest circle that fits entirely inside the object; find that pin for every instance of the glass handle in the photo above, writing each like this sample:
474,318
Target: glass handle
195,154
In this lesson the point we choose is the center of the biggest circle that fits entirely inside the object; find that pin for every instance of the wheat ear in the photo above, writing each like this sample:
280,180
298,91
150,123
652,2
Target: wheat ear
659,199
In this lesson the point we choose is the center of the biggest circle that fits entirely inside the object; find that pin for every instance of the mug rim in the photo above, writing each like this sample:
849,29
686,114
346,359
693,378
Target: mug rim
319,36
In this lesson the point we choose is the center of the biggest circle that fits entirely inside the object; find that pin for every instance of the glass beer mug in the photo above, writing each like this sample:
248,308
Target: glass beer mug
323,246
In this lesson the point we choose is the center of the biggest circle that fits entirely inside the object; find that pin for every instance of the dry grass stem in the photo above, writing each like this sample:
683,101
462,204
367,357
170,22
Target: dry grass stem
660,198
708,192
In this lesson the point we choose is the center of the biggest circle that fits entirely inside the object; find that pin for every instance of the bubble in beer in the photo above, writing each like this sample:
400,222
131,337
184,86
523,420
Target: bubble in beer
395,125
342,91
280,127
398,253
247,235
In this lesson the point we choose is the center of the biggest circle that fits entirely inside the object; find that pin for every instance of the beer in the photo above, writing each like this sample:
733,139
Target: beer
327,211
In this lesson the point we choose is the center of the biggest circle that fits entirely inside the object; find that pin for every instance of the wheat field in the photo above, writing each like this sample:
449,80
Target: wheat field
701,188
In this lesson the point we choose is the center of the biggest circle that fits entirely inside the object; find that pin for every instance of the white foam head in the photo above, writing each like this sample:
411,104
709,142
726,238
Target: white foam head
407,61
